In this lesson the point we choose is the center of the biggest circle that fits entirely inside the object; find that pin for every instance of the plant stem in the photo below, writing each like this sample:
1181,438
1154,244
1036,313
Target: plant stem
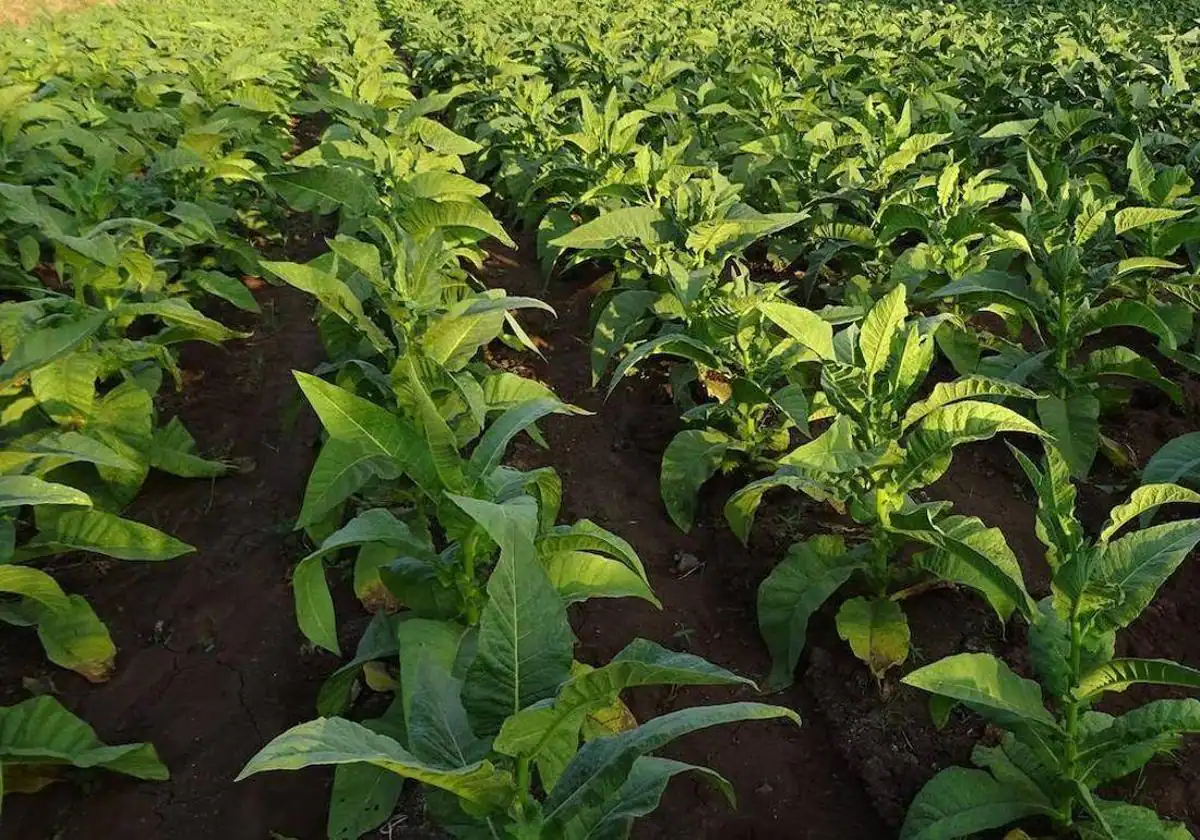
1072,710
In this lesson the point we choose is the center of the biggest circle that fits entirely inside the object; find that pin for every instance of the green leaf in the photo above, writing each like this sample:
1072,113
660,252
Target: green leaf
45,344
615,324
66,387
985,684
1127,313
1129,571
809,574
805,327
314,604
670,344
190,323
324,189
41,731
375,430
967,387
489,452
602,766
334,295
1177,460
968,552
33,584
1132,218
959,802
227,288
103,533
465,218
76,639
877,631
336,741
19,490
342,469
879,328
742,505
1009,128
1130,822
1074,423
691,458
642,224
363,798
580,575
641,663
641,794
1144,499
1120,674
525,641
1141,171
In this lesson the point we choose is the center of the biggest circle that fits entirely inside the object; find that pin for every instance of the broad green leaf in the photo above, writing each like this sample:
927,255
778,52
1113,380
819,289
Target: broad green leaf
614,326
76,639
465,218
19,490
1132,218
647,225
959,802
314,604
742,505
1130,822
808,575
1127,313
879,328
805,327
641,793
324,189
985,684
1120,674
602,766
103,533
1074,423
335,741
525,642
669,344
490,450
641,663
877,631
225,287
189,322
691,458
363,797
342,469
580,575
1129,570
965,388
66,387
1144,499
41,731
33,584
45,344
968,552
376,430
1177,460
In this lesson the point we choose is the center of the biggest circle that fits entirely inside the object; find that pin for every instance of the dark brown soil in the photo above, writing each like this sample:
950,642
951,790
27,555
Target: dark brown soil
212,665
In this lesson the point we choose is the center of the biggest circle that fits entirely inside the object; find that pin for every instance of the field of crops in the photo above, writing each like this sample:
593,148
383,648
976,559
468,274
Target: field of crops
691,418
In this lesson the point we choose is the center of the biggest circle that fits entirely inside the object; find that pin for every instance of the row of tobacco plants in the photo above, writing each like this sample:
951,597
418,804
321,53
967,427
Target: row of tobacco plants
136,147
808,212
147,154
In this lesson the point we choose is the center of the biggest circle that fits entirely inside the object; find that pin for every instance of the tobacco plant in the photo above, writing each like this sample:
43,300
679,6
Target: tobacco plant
546,749
1057,749
1073,286
882,446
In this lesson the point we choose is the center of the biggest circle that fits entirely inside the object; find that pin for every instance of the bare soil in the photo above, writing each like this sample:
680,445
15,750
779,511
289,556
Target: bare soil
212,665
